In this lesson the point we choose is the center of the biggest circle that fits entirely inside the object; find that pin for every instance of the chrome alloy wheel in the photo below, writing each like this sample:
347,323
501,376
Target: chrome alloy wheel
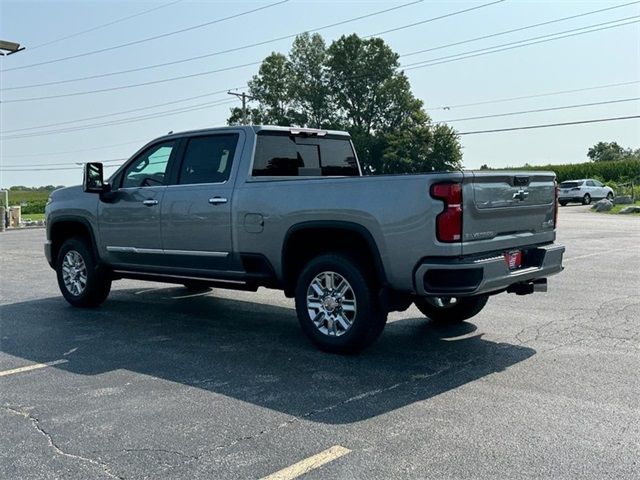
74,273
331,304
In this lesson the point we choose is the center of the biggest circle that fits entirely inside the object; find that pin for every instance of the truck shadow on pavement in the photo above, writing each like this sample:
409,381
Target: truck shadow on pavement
252,352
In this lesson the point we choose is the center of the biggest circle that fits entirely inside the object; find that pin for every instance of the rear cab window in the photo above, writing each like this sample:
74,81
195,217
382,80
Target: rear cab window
570,184
281,154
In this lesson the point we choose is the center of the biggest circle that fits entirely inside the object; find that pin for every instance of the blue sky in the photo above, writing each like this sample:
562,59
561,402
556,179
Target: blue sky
605,57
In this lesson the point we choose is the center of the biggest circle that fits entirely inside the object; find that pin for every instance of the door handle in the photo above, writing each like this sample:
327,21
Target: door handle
217,200
150,202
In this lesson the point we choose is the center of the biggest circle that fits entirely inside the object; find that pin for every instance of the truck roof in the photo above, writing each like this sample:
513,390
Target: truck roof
259,128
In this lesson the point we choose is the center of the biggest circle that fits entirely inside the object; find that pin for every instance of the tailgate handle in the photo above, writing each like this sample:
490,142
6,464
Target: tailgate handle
520,181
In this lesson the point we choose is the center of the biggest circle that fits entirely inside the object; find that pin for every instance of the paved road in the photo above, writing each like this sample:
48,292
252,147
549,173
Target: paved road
224,385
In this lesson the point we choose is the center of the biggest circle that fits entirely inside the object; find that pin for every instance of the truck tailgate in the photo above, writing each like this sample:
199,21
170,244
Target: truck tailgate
508,209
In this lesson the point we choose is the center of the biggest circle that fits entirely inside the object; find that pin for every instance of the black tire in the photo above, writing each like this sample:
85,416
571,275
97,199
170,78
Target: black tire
98,280
454,313
610,196
195,286
586,200
563,203
367,317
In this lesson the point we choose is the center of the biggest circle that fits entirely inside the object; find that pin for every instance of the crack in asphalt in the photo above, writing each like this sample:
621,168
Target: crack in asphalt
35,422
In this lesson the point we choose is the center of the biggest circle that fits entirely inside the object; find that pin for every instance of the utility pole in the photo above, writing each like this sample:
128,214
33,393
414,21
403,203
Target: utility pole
244,98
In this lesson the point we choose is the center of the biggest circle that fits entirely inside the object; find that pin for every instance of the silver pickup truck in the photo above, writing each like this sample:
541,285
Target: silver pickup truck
289,208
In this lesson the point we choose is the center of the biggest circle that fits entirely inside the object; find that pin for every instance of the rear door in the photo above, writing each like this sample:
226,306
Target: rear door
504,210
196,210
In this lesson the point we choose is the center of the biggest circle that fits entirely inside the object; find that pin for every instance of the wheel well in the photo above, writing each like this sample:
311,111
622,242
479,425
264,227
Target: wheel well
303,244
65,229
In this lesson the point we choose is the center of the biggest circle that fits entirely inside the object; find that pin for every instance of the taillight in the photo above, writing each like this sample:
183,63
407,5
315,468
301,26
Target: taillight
449,222
555,203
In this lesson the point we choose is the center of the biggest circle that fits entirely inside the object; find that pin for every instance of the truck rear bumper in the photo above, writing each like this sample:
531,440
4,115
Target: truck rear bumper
482,275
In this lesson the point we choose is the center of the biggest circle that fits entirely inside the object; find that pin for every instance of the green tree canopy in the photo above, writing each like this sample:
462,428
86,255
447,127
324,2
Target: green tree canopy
355,84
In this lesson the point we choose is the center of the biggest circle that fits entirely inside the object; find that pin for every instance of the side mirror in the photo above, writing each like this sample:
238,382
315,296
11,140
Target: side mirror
93,179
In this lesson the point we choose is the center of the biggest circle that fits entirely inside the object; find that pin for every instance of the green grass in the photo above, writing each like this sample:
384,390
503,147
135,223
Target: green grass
34,201
33,216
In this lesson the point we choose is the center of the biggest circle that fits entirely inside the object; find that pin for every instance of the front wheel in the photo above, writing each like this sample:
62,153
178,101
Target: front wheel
82,281
610,196
451,310
337,306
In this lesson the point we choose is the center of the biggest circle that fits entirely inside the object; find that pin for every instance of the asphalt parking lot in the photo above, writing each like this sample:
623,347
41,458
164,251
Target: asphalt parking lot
158,383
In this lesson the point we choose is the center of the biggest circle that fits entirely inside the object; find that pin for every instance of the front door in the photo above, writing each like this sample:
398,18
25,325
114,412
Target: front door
129,217
196,211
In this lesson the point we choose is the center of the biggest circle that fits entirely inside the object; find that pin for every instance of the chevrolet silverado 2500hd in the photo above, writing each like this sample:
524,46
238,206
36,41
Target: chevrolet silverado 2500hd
289,208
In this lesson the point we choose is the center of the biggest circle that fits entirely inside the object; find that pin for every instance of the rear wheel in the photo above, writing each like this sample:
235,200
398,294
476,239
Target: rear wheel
563,203
586,200
450,310
82,281
610,196
337,306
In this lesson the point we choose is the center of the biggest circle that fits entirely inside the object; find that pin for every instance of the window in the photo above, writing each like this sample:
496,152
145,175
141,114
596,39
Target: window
283,155
570,184
208,159
597,183
150,168
590,183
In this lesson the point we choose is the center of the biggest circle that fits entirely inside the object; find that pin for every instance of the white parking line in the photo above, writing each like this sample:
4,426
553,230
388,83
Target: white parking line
28,368
308,464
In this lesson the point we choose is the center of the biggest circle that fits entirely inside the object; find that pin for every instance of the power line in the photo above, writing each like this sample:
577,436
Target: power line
95,117
475,132
91,77
519,29
427,63
517,44
98,27
148,39
104,147
548,125
67,152
132,85
403,27
537,95
411,66
550,109
265,42
149,116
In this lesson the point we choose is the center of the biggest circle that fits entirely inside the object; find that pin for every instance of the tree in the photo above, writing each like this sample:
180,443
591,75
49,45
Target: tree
354,85
271,88
310,91
606,152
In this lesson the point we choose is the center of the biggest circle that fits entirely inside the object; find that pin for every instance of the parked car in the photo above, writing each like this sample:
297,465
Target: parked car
583,191
289,208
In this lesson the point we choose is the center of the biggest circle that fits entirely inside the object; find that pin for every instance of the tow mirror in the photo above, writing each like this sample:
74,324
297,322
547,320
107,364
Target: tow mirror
93,179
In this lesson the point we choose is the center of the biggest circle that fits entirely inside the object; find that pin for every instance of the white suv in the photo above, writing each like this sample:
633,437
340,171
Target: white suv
583,191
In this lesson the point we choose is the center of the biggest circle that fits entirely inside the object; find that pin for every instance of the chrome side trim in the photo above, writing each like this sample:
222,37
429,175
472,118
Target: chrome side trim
197,253
185,277
134,250
160,251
